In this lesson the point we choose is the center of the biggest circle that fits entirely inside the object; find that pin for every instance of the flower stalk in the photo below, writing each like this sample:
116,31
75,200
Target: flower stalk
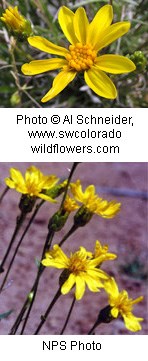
104,317
4,193
68,316
19,223
20,242
44,317
55,224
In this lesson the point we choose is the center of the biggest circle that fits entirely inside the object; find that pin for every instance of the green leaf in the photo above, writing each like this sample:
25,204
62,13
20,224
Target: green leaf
5,315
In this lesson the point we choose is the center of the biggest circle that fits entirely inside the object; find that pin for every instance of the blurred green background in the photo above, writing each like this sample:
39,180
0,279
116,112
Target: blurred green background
17,90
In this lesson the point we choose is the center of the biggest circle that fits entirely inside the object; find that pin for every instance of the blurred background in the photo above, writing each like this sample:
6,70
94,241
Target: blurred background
18,90
126,235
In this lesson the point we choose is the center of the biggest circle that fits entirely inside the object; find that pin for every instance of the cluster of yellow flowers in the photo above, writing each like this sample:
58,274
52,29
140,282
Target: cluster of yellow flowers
86,40
82,268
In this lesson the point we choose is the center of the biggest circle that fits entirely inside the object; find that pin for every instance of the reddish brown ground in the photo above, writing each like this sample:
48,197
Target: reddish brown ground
125,234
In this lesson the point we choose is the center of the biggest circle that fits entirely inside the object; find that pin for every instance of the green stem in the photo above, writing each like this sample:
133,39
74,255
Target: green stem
3,193
68,234
41,268
103,317
96,324
68,182
36,283
19,222
44,317
68,316
20,242
30,97
19,318
33,291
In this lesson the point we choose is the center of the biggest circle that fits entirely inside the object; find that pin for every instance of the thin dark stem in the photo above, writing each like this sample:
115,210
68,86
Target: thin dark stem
20,242
36,283
3,193
33,291
40,270
68,182
19,222
19,318
44,317
96,324
72,230
68,316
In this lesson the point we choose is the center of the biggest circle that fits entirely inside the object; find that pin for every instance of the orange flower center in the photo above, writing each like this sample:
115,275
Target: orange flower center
123,304
77,263
80,57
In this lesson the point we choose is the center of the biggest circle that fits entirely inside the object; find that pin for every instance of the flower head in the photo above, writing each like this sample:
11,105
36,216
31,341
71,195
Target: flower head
70,204
16,22
33,184
86,39
101,252
122,305
92,202
81,270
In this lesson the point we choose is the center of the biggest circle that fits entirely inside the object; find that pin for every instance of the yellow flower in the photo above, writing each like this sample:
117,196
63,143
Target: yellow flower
81,270
101,252
33,184
122,305
70,204
92,202
86,39
16,21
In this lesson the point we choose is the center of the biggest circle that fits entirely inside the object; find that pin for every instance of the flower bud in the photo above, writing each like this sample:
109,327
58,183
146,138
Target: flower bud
82,216
105,315
57,190
16,23
139,60
57,221
15,99
26,203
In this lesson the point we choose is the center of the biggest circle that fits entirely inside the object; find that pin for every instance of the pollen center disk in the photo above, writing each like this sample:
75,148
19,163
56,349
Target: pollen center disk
77,264
80,57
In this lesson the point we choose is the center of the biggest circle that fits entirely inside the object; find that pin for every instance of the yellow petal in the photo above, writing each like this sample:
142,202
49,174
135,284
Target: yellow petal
139,299
49,262
68,284
111,287
115,312
45,45
60,82
110,211
46,198
132,322
60,255
9,183
112,33
90,191
80,287
65,18
93,282
99,24
81,25
16,175
41,66
115,64
100,83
